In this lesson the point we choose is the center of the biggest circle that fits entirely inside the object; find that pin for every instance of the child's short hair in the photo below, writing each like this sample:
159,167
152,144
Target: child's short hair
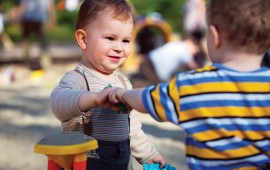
244,24
90,8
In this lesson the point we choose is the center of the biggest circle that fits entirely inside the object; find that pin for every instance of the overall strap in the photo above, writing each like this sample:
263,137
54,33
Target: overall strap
122,81
125,86
78,70
87,128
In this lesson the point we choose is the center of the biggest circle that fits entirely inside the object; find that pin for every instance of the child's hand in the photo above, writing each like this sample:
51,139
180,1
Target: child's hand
102,98
116,95
160,160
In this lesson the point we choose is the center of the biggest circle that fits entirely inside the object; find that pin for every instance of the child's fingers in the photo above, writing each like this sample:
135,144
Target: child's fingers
113,97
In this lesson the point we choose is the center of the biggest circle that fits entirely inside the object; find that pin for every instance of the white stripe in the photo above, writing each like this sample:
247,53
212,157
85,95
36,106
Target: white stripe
224,96
209,163
200,75
170,105
150,103
226,121
221,73
262,143
223,142
241,74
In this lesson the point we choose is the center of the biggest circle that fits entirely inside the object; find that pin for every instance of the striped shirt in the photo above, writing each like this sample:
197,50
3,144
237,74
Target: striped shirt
106,124
225,113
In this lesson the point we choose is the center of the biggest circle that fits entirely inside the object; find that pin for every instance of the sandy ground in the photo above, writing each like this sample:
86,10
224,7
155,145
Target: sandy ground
26,118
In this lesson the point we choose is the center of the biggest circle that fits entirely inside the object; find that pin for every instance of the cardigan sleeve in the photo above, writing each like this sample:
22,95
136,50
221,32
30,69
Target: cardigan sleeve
141,148
64,98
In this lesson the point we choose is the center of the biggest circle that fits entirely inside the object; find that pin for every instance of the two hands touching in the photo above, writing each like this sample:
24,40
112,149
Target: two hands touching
110,97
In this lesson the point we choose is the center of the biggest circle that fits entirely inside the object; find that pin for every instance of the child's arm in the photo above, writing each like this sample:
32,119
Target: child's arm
141,148
89,100
132,98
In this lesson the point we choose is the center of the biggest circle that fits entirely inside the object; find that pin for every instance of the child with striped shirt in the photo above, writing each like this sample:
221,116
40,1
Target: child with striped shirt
224,107
103,32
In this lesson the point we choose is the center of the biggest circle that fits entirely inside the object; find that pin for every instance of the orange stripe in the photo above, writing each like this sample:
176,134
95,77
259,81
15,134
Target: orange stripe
224,112
220,86
228,154
156,99
221,133
174,94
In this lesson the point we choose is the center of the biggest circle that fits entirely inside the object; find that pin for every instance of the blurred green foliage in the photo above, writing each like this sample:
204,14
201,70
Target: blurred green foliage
171,11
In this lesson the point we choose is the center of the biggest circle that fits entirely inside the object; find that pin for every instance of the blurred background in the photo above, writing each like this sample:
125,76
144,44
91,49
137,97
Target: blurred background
32,63
64,31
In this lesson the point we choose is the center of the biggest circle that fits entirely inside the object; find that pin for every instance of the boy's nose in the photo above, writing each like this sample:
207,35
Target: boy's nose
118,47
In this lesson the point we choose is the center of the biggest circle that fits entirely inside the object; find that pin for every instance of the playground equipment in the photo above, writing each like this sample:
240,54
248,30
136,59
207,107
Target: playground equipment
66,150
133,61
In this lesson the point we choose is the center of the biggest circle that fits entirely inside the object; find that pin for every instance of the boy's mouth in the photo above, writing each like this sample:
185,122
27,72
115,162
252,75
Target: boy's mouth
114,58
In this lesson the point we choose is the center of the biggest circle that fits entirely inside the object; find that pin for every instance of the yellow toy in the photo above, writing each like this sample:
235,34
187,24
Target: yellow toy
66,150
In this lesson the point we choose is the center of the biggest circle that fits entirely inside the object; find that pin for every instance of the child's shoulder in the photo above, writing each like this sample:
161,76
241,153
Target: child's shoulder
206,68
124,80
73,74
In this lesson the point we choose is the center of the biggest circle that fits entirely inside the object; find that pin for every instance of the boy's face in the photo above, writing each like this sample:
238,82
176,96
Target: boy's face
108,42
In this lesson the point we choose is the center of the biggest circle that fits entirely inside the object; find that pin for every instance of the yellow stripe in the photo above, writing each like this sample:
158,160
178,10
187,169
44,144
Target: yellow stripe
174,94
206,68
247,168
66,150
221,133
159,108
224,112
228,154
220,86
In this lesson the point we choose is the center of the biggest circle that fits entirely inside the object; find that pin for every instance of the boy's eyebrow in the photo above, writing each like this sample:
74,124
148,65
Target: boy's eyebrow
114,35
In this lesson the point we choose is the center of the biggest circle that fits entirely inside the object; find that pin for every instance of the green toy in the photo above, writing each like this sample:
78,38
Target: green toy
119,107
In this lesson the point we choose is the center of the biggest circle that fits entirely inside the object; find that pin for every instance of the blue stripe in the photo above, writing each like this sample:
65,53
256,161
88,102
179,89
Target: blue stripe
230,127
192,142
223,103
163,100
265,148
224,167
224,79
145,95
255,161
231,146
202,167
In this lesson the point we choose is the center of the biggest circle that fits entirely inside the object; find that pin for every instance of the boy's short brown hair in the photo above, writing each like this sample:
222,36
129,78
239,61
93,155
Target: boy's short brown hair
243,23
90,8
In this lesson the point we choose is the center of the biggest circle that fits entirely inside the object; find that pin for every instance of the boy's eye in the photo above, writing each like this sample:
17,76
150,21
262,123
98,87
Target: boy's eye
110,38
126,41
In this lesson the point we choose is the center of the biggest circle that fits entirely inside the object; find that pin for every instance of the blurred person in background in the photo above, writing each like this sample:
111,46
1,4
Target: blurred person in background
194,23
35,16
1,23
162,63
5,41
71,5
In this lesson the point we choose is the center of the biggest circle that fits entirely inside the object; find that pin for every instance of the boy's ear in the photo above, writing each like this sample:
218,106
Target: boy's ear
217,36
80,36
